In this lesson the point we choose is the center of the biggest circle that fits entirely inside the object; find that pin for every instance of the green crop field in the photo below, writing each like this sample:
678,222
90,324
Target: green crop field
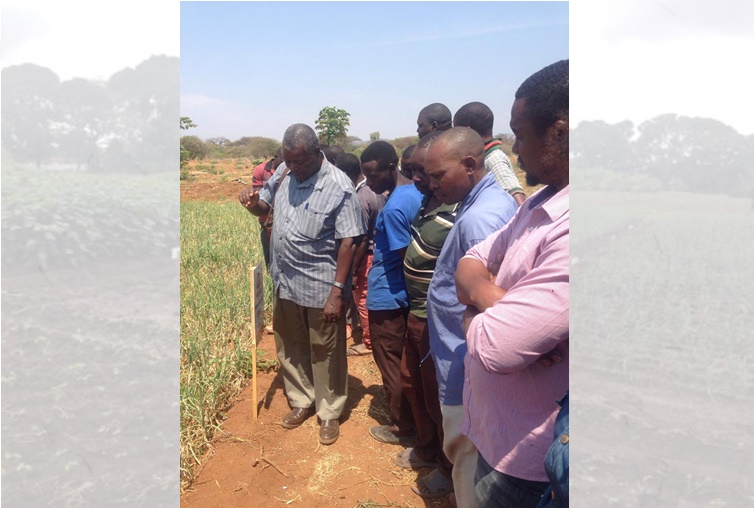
219,242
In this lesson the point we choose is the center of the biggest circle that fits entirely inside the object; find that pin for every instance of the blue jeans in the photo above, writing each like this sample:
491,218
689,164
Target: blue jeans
494,488
556,462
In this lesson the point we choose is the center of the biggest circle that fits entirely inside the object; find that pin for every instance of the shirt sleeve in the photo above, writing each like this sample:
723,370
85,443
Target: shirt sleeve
531,319
267,194
397,228
257,179
349,219
500,165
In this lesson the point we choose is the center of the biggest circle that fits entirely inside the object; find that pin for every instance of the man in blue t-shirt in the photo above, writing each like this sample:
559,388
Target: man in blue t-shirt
387,298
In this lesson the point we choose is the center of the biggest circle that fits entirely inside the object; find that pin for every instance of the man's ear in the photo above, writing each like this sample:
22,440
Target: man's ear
558,131
469,164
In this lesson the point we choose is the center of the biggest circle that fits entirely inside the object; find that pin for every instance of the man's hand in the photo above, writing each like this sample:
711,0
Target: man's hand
249,197
333,306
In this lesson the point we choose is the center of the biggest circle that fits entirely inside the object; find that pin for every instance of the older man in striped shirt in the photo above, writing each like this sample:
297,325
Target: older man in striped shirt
317,223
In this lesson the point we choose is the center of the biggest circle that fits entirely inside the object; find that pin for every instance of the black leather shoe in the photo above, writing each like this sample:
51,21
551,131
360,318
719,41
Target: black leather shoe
329,430
297,417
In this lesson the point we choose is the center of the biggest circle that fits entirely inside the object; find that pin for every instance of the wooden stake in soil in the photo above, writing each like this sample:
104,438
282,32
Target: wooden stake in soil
256,304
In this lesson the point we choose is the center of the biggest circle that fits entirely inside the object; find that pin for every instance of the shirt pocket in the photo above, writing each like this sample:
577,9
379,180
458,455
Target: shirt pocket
311,223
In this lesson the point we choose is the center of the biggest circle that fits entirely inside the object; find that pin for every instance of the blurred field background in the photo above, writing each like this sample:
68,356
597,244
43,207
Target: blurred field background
662,375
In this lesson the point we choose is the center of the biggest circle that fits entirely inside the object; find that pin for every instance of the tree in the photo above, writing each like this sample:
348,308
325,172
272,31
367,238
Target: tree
186,123
332,125
195,147
221,141
374,136
28,111
401,144
84,114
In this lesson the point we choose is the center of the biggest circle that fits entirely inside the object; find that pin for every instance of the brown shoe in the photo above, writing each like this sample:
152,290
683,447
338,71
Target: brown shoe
297,417
329,431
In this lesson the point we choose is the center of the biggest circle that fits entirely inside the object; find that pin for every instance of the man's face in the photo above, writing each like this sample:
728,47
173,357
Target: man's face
424,125
449,178
277,161
406,168
379,180
539,156
420,178
302,164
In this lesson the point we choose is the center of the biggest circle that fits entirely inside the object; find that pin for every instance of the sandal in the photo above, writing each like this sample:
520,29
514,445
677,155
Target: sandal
433,485
408,459
358,350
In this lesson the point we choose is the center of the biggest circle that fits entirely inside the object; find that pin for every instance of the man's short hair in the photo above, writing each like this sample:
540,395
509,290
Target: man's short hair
546,94
349,164
477,116
462,141
300,135
408,151
382,152
332,153
428,139
438,112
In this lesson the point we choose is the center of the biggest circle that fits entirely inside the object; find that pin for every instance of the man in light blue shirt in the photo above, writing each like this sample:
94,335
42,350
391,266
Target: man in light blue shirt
455,166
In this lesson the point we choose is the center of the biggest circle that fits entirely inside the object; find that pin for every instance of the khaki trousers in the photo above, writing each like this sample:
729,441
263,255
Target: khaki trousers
462,453
312,357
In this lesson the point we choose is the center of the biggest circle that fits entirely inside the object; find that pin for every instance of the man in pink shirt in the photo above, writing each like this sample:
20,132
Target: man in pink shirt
515,284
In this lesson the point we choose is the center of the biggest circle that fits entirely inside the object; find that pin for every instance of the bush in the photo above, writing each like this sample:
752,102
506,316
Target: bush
196,148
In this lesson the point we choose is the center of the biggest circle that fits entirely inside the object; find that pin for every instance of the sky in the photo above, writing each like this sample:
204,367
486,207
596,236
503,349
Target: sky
632,59
638,59
91,40
253,69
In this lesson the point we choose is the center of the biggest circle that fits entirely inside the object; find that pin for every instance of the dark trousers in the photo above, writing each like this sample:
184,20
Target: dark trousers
496,489
388,331
420,389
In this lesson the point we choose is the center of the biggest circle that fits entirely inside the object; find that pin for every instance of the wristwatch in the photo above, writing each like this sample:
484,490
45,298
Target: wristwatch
338,285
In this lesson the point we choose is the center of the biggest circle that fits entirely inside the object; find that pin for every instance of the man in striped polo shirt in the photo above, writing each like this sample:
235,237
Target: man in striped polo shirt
429,229
317,223
479,117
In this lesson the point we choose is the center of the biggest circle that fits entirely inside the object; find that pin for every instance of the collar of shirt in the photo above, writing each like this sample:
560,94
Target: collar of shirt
489,179
555,205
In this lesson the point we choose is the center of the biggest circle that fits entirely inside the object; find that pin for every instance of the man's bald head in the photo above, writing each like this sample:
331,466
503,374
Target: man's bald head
455,164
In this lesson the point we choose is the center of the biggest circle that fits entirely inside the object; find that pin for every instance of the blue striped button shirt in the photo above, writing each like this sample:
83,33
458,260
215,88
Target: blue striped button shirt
310,219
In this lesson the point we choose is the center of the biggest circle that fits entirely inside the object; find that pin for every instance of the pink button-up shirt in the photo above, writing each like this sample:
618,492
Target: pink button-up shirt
510,398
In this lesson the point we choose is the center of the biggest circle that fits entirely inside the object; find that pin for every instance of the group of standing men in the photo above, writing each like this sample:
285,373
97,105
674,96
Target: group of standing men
466,297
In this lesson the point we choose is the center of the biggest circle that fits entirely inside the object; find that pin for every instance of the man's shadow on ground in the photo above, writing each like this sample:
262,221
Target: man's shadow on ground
356,392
